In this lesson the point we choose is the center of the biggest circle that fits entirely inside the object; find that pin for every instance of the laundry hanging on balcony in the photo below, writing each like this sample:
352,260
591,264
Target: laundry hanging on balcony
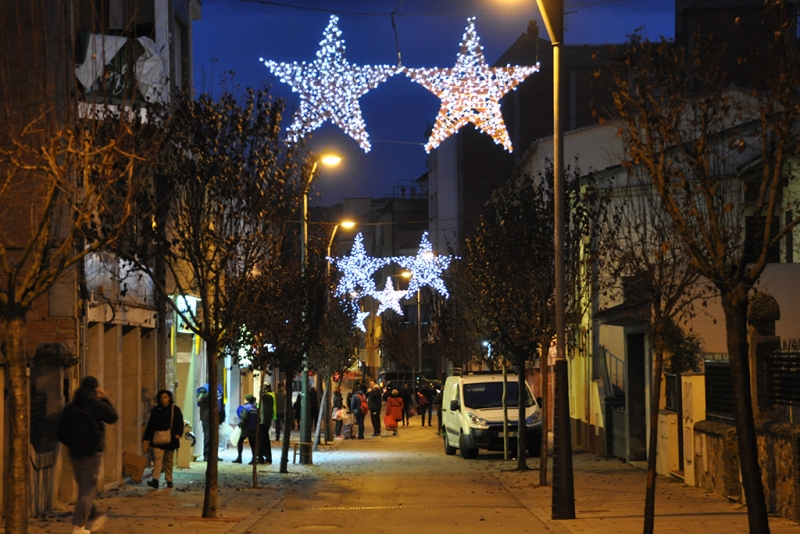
116,66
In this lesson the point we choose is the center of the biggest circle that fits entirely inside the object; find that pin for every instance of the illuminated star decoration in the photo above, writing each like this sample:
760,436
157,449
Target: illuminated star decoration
470,91
357,270
389,298
426,268
329,88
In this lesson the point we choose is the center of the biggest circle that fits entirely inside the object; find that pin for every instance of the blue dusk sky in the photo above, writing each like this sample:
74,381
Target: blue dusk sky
233,34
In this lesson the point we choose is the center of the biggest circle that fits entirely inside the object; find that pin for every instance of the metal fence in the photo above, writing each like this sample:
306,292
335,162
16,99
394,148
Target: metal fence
783,374
719,390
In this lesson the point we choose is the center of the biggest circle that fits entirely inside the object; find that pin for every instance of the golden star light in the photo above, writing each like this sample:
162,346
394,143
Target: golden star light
329,88
470,92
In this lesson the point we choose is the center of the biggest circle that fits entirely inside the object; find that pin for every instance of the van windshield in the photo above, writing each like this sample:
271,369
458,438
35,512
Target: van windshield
490,395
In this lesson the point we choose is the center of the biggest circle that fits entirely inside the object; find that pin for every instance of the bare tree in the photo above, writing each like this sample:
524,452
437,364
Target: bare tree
227,186
642,249
68,184
702,142
509,264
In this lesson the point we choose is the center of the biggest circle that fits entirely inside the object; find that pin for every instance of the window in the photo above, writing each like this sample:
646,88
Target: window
754,240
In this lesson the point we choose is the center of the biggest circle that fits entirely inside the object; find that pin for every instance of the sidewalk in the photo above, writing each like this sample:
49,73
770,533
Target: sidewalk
406,484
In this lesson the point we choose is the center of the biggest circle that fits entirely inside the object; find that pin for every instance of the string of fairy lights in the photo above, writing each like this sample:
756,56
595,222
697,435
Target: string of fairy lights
330,87
357,271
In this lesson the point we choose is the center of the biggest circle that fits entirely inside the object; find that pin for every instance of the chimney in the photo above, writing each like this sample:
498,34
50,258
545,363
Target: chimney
533,30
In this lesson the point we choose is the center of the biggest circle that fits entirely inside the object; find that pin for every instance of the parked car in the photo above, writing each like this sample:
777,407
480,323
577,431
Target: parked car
389,380
472,415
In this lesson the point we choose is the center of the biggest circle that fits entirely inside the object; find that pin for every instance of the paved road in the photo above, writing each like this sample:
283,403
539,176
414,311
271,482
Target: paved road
406,484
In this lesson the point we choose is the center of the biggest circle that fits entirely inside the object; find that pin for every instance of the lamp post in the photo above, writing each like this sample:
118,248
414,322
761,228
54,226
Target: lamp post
347,225
563,495
407,275
305,422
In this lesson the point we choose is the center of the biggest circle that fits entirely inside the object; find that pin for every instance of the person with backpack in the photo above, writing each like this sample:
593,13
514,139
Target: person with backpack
425,402
360,408
81,427
163,435
248,422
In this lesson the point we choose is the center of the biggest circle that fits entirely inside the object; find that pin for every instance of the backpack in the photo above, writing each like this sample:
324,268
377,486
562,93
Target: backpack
422,400
77,429
364,405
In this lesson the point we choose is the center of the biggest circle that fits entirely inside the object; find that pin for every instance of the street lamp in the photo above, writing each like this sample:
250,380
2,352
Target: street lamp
305,422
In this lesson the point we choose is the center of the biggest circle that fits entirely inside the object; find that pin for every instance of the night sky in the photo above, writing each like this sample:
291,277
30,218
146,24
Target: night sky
234,34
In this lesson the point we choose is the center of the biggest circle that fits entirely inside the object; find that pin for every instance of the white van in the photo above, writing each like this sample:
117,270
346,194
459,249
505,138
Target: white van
472,414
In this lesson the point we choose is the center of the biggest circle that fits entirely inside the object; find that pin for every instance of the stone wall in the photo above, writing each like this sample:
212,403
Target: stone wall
717,465
779,456
717,458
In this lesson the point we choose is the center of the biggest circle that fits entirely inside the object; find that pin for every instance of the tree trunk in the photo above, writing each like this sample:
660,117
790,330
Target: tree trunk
288,423
543,412
655,399
212,480
16,505
734,303
522,429
323,408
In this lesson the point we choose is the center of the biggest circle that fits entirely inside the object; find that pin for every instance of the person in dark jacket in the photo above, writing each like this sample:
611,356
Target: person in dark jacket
437,402
425,402
266,414
248,422
375,401
86,461
406,394
164,416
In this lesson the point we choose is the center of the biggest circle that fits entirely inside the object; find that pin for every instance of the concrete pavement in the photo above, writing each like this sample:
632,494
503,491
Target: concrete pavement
407,484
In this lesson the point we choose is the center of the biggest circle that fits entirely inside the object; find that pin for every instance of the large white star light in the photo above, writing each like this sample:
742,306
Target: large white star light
426,268
389,298
357,270
470,91
329,88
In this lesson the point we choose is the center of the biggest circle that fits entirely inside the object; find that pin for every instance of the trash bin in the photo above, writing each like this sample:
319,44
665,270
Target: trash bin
187,444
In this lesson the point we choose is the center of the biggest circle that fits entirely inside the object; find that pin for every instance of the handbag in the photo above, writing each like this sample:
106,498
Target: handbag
164,437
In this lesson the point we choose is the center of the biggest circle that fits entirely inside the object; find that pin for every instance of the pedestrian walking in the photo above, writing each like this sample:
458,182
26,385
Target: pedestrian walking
425,402
248,422
360,408
338,412
394,410
280,407
375,403
81,428
163,436
406,394
266,413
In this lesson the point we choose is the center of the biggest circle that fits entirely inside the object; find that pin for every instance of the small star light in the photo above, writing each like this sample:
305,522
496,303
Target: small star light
329,88
426,268
357,270
360,321
470,91
389,298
